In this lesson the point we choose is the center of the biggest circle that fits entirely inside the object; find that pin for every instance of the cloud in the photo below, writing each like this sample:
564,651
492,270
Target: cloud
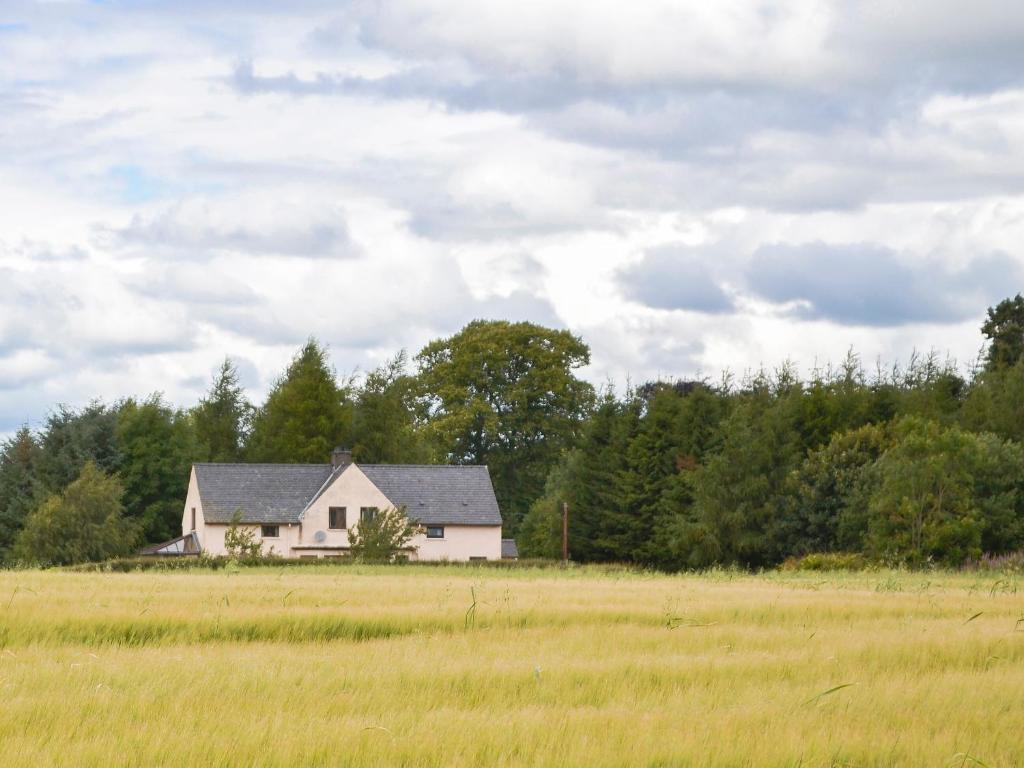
211,178
675,277
258,224
869,284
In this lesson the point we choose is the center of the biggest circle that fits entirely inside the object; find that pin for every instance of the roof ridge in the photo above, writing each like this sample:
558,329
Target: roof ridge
256,464
441,466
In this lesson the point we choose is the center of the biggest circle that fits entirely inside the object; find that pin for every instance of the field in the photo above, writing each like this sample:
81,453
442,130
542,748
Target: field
421,666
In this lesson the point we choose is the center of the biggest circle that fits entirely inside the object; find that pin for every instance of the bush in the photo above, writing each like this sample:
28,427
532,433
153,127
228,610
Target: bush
1011,562
827,561
83,523
382,535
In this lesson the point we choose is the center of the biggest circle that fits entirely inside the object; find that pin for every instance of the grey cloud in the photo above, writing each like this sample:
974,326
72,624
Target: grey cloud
322,238
675,277
869,284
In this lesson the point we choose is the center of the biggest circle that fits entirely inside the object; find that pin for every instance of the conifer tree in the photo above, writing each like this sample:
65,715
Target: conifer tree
223,417
306,414
19,458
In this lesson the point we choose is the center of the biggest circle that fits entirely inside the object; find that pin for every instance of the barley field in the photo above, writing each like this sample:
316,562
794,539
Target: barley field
419,666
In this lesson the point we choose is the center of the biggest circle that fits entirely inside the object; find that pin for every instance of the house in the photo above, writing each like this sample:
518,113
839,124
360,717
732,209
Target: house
307,510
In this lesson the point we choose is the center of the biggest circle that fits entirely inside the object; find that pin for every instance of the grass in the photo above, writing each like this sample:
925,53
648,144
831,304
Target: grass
335,666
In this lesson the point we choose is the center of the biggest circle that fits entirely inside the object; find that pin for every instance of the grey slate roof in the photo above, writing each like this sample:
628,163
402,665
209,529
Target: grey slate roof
509,549
436,494
279,493
265,493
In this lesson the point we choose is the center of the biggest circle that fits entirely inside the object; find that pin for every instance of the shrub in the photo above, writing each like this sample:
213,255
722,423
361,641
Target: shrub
382,536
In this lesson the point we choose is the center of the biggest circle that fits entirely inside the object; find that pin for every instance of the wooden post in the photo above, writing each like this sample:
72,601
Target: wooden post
565,533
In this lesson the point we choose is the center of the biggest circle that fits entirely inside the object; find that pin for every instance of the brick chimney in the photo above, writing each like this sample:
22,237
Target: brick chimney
341,457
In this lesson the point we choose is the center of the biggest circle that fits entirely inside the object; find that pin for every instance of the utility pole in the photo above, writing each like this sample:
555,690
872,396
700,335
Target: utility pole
565,533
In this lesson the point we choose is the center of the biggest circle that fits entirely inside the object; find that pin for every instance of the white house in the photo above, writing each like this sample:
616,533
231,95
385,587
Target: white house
307,510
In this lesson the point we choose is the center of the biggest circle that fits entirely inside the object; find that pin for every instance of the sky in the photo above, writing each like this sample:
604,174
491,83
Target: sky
691,187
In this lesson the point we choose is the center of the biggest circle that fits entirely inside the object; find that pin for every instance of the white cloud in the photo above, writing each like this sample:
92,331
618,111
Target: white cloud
180,181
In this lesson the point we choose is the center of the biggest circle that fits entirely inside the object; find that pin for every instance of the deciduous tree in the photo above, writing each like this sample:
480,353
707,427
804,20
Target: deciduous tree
84,522
505,395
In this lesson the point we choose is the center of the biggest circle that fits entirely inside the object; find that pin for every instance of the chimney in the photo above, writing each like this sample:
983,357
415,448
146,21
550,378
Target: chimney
341,457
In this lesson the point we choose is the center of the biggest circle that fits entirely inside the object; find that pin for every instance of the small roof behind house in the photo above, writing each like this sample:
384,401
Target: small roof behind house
438,494
509,549
263,493
182,545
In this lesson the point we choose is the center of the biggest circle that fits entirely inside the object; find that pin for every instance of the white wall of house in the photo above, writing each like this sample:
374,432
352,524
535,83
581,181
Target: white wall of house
351,489
212,539
460,542
193,502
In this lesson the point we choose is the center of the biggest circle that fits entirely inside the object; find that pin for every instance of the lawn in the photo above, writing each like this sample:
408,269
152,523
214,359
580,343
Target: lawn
419,666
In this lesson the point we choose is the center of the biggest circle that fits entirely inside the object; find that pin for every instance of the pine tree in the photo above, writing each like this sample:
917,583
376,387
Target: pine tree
71,438
306,415
19,459
222,418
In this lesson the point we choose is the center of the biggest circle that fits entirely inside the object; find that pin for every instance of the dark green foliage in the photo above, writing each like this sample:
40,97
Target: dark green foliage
222,419
505,395
1004,328
825,505
385,420
19,459
599,522
157,448
83,523
306,415
69,439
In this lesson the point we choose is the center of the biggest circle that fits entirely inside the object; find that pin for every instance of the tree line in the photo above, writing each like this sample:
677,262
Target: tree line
496,393
912,464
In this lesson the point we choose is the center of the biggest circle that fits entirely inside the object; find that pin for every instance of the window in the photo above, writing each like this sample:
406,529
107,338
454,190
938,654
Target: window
477,559
193,518
269,531
336,517
435,531
367,513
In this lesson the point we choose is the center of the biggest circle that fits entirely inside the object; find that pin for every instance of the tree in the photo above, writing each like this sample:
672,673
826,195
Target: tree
19,457
941,493
995,403
72,438
381,535
157,445
384,424
222,419
738,493
827,498
84,523
241,543
1004,328
505,395
306,415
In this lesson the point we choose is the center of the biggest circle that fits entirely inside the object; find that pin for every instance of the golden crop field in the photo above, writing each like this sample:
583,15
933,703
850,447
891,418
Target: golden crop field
419,666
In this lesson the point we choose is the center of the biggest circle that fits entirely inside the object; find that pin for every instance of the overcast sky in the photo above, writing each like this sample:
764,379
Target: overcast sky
689,186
